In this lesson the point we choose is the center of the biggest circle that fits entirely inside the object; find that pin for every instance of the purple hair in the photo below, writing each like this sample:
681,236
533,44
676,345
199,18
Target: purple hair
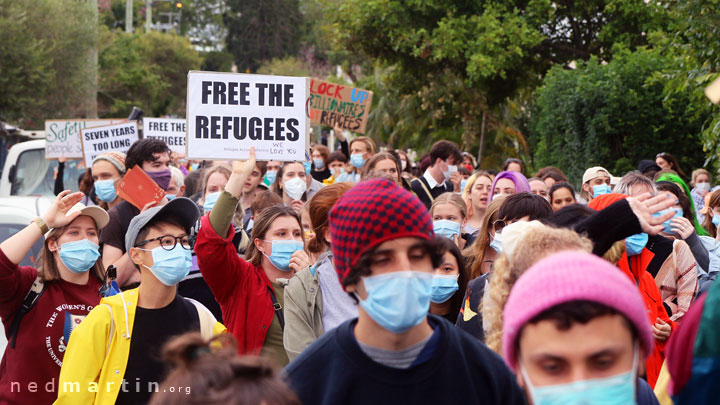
520,181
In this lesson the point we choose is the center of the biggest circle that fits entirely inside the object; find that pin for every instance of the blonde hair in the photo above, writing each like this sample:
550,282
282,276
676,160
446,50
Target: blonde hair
696,173
468,189
531,248
222,168
476,252
450,198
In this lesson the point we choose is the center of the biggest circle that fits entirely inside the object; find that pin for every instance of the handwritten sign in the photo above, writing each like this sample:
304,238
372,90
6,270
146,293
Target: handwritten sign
172,131
227,113
62,137
107,138
334,104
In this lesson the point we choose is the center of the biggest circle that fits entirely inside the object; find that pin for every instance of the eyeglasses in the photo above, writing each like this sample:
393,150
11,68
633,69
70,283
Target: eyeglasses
499,225
168,242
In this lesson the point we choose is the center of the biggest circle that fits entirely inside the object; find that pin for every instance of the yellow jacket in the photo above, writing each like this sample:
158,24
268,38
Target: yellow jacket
95,360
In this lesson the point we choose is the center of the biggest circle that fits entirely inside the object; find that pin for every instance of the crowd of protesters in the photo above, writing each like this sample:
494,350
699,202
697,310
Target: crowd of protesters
361,276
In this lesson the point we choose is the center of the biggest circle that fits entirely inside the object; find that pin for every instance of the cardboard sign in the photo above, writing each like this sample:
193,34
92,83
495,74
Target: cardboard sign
139,189
336,105
108,138
62,137
227,113
172,131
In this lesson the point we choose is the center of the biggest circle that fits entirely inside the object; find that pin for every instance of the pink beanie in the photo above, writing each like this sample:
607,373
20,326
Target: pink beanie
571,276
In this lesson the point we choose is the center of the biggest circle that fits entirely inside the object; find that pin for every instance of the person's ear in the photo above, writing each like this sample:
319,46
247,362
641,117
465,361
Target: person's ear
463,223
136,256
181,192
587,188
259,245
53,245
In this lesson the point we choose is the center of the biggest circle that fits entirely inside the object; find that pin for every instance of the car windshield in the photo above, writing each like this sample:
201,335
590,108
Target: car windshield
34,175
9,229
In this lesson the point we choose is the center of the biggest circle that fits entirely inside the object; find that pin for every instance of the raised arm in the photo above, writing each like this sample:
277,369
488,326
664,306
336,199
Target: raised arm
18,245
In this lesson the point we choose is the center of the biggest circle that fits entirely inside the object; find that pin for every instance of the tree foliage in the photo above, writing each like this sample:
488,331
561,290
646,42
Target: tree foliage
44,60
261,30
614,115
145,70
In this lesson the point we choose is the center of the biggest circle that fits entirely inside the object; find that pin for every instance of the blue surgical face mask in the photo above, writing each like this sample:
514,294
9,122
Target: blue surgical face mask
170,266
443,288
399,300
667,225
357,160
496,243
308,167
210,201
318,163
615,390
463,183
270,176
716,220
170,196
105,190
446,228
636,243
79,256
282,251
194,166
601,189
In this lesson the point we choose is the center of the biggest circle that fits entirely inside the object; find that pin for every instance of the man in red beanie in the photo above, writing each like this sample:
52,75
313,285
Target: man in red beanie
394,352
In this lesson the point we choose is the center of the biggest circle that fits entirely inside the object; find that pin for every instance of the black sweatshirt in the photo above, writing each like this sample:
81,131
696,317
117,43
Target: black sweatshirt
335,370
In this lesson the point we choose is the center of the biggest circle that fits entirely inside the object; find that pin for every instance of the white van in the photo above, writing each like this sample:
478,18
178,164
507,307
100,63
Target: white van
26,172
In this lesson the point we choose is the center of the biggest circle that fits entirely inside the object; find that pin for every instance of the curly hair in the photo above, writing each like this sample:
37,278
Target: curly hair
531,248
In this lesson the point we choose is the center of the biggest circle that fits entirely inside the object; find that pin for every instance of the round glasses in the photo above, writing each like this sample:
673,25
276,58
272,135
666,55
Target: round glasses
168,242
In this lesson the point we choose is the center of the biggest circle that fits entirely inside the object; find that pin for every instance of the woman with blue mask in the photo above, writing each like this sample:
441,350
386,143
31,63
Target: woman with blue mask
65,284
107,171
449,282
320,155
362,148
449,215
250,290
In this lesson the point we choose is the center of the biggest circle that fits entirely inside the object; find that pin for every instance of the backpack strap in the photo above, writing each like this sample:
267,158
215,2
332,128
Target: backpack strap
278,308
31,298
206,318
427,190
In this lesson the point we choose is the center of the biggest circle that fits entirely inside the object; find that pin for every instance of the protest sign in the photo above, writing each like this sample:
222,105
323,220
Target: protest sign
172,131
139,189
227,113
336,105
107,138
62,137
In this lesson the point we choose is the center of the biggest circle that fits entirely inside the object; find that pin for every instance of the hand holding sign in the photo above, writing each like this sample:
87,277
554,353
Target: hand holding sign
241,171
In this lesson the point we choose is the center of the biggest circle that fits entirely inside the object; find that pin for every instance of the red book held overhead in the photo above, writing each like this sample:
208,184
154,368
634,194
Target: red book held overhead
139,189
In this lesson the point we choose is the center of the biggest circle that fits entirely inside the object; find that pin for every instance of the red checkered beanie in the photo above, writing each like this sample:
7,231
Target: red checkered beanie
369,214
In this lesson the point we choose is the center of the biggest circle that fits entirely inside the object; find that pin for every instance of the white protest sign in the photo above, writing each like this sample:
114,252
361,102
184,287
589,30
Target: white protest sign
227,113
117,138
170,130
62,137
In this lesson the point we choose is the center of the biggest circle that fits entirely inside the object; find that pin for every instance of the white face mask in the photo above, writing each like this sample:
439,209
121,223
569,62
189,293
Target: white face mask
451,169
403,164
703,186
295,187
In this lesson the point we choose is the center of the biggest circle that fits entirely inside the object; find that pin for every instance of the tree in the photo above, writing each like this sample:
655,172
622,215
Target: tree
613,115
44,60
145,70
261,30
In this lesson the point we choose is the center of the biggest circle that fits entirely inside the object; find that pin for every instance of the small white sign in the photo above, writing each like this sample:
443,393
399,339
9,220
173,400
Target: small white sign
62,137
170,130
116,138
227,113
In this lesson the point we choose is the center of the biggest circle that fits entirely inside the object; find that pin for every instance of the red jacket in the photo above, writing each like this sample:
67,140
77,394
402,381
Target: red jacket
653,304
239,287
